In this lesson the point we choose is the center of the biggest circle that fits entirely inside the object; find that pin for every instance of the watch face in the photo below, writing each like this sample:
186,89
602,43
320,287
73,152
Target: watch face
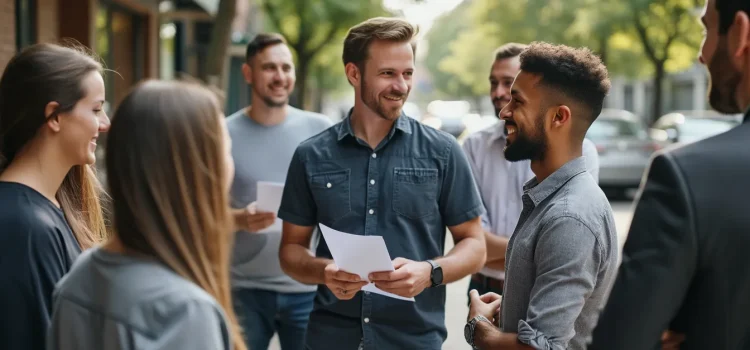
467,333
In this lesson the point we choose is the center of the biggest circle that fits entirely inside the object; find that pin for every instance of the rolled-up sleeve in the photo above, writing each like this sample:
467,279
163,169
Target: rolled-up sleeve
459,198
297,203
567,260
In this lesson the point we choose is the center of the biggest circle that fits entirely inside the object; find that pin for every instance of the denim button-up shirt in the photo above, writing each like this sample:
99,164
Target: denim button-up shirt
408,189
561,260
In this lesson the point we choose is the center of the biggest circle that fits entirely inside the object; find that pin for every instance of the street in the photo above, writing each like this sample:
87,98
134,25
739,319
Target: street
456,305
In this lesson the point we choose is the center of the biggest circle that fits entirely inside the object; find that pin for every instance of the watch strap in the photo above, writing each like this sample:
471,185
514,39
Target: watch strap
472,329
432,272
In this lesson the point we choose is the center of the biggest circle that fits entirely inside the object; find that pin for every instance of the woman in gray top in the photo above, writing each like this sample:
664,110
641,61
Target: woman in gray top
162,281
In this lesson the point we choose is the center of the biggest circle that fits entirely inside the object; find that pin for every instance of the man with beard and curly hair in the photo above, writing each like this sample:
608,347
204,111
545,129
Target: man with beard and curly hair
685,266
562,256
501,181
380,172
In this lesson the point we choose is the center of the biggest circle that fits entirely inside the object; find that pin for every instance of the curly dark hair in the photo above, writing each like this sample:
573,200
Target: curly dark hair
572,72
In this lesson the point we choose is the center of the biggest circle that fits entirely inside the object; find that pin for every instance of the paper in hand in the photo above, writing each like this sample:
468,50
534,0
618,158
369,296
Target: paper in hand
269,200
360,255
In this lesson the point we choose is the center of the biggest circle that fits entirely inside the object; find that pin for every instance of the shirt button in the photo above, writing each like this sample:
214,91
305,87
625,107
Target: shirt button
372,211
328,185
367,320
374,155
372,182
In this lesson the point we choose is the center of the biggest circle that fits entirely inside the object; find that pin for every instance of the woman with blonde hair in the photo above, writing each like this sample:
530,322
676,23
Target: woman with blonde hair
162,280
51,100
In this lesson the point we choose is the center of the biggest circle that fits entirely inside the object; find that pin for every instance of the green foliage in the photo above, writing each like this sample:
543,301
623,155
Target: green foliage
315,30
633,37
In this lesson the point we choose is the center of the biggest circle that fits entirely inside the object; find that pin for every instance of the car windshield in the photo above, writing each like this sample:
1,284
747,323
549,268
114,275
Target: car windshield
694,129
605,129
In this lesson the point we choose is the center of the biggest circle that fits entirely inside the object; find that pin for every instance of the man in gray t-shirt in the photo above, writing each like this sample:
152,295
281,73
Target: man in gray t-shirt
264,137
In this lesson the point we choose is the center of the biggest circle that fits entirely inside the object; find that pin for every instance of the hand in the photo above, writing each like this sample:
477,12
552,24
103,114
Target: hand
487,305
409,279
344,285
671,340
251,220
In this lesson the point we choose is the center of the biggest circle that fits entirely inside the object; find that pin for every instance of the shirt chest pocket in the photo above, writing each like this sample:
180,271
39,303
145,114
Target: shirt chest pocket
332,193
415,192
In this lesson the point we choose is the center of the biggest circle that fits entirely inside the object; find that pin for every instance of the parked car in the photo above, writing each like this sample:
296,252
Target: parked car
683,127
624,147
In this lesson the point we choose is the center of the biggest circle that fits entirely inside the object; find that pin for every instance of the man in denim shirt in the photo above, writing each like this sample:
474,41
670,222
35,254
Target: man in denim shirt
379,172
562,257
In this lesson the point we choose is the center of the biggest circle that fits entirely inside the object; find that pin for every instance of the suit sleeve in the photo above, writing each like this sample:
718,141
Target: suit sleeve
658,262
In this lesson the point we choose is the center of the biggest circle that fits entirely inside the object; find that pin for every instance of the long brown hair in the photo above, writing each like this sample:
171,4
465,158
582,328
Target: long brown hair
36,76
169,185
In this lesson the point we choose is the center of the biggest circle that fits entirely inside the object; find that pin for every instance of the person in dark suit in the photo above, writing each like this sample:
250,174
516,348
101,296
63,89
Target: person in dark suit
685,265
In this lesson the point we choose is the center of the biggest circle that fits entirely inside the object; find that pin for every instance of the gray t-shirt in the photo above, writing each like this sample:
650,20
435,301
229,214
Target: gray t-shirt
263,153
118,302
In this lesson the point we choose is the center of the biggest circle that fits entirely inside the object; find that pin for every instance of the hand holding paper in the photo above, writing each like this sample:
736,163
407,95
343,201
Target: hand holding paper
343,284
269,201
250,220
408,280
360,255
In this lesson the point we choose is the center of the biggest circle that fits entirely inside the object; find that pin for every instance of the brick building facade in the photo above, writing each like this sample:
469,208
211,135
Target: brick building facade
124,33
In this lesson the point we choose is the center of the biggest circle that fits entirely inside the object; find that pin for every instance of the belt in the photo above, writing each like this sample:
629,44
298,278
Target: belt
488,282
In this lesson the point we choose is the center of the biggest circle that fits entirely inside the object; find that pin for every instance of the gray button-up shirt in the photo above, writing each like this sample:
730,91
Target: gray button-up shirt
501,181
561,260
408,189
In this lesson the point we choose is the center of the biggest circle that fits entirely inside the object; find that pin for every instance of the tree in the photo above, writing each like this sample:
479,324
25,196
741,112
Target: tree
310,25
220,40
670,36
445,75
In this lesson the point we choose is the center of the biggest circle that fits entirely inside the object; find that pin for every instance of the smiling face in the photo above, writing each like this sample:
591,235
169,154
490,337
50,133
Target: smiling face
80,127
271,74
501,78
387,77
524,120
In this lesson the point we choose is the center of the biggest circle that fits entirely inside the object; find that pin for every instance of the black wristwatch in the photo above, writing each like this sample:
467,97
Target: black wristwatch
436,276
470,327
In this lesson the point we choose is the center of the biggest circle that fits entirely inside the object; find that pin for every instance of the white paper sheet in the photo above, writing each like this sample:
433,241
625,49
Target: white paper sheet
360,255
269,199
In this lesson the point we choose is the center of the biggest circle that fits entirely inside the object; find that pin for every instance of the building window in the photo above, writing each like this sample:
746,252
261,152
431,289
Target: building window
25,23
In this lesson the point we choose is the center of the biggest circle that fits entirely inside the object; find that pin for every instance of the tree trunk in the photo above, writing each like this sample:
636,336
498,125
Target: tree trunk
220,41
303,71
659,74
603,39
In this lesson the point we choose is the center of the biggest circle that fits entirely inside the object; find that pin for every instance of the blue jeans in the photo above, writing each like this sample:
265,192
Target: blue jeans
263,313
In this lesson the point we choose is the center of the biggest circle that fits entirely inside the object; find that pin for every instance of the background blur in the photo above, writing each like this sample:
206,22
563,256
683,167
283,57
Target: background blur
658,96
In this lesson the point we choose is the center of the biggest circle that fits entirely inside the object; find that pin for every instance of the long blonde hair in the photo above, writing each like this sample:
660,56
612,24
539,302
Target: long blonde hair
33,78
168,182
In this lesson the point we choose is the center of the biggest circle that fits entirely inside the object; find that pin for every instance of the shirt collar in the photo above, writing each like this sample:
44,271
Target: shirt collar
498,133
345,127
540,191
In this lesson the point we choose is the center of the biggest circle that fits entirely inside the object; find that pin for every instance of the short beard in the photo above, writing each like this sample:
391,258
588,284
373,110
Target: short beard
724,81
371,101
269,102
531,147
